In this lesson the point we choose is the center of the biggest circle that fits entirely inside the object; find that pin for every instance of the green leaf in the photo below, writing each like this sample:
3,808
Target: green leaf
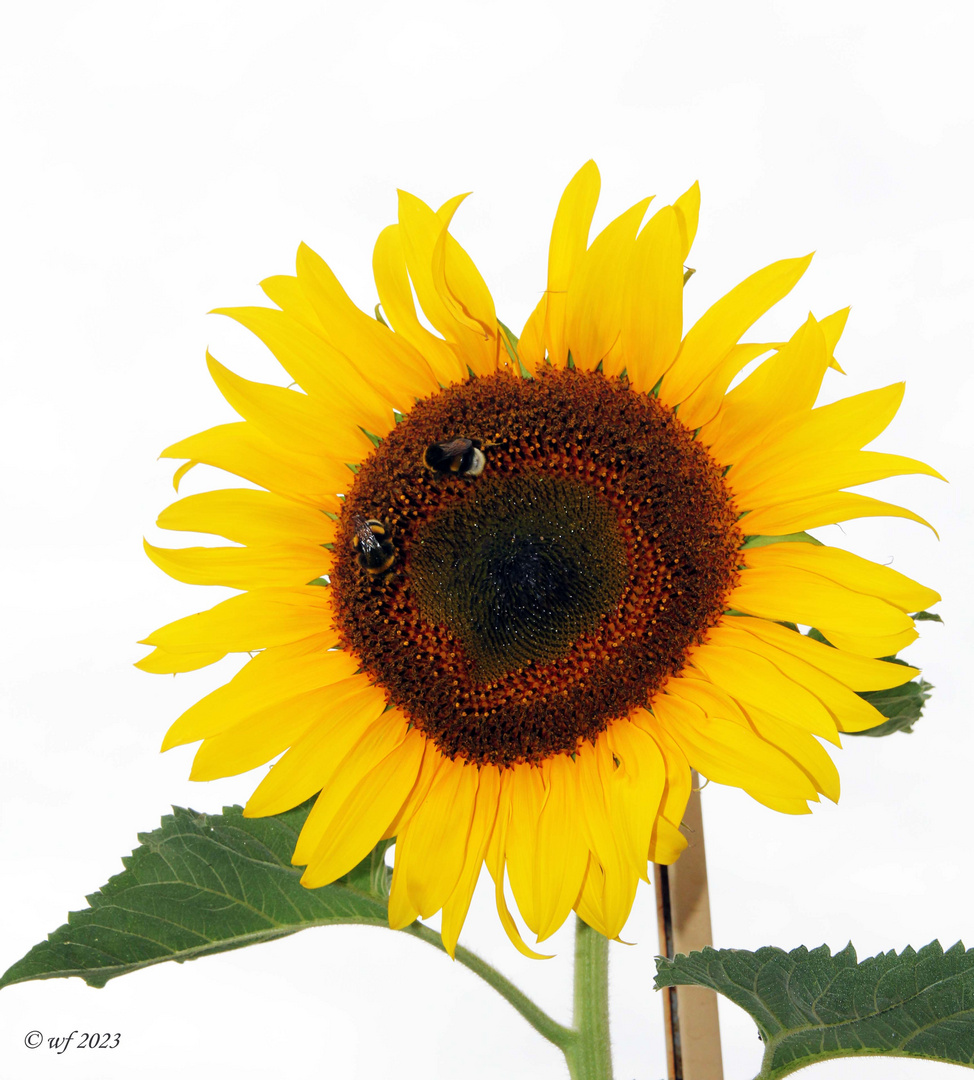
201,884
791,538
811,1006
926,616
903,705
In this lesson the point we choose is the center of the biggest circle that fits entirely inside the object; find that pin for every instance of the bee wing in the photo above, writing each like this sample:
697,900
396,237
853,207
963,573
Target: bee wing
455,447
367,539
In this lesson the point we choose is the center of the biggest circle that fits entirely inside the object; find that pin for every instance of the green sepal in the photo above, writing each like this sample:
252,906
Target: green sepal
926,616
509,340
811,1006
203,884
790,538
512,338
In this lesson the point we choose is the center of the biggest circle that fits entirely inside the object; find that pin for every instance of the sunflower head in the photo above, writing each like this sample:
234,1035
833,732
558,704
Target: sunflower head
507,592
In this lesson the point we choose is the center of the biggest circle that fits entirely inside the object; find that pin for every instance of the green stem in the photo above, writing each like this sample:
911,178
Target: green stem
589,1053
562,1037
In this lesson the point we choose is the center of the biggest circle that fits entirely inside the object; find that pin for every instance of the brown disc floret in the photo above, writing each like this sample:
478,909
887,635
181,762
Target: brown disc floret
532,604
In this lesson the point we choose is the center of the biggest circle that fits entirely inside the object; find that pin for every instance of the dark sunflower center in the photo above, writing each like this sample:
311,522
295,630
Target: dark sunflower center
546,589
520,570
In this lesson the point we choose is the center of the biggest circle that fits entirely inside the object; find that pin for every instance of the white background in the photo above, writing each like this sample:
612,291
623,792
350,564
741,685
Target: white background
159,161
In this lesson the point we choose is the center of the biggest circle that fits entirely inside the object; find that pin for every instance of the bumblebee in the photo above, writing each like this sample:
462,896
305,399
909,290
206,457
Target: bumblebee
372,545
463,457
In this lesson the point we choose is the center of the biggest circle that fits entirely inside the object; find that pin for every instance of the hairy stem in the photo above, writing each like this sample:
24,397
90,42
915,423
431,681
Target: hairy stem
554,1032
589,1053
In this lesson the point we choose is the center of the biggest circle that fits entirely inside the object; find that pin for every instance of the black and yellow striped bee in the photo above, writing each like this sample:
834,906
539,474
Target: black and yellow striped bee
463,457
372,544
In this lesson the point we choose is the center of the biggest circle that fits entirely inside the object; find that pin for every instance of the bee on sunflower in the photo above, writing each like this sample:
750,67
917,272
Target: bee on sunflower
508,592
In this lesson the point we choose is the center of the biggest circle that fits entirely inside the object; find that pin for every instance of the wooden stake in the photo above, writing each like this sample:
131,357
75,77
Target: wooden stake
683,910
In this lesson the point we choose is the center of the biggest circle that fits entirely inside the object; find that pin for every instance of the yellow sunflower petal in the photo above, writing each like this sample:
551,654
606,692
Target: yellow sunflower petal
720,328
251,621
589,906
636,791
848,424
687,207
780,519
792,594
244,567
401,910
292,420
569,240
800,745
851,571
872,644
593,313
435,838
786,737
701,405
496,853
354,825
652,321
433,762
255,739
830,471
562,855
242,450
728,752
396,297
371,740
485,811
459,282
786,383
783,806
855,671
162,662
712,699
285,291
797,445
850,712
604,908
432,256
248,516
370,346
752,679
178,475
600,807
274,675
527,798
530,346
833,326
329,760
320,369
667,842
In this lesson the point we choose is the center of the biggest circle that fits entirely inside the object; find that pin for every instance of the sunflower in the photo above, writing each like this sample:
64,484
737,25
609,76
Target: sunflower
506,593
